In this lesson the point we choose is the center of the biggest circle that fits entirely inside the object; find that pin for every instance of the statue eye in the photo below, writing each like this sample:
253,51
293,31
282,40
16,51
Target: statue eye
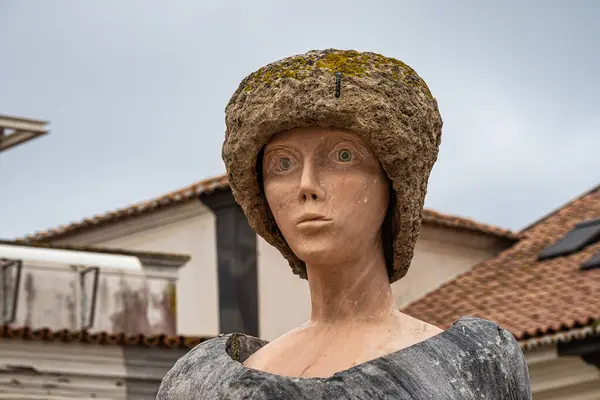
285,163
345,155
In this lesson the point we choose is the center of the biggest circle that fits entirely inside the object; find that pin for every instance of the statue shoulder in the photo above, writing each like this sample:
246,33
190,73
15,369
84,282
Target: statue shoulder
195,372
490,339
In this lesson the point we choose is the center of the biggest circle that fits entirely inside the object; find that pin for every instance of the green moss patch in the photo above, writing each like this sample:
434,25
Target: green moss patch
348,62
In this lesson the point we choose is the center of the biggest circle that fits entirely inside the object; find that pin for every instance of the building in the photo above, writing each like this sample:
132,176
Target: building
545,289
234,280
86,323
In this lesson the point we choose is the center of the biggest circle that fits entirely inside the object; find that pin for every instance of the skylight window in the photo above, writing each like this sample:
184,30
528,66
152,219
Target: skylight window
592,263
582,235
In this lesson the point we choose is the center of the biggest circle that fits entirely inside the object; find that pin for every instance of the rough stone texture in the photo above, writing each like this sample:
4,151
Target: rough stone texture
381,99
473,359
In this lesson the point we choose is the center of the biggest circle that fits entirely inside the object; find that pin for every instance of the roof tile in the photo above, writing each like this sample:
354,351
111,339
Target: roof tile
103,338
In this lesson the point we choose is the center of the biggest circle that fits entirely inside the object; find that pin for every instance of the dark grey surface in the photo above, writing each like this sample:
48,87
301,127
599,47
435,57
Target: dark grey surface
237,265
592,263
584,234
587,348
143,369
474,359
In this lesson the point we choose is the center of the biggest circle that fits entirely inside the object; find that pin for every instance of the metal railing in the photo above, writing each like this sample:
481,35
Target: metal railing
85,298
10,286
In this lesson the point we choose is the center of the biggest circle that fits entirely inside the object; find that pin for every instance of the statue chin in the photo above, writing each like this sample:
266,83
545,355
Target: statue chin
318,253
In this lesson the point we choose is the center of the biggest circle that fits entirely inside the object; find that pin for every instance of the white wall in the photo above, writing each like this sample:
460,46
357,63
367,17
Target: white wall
441,254
54,370
284,298
564,378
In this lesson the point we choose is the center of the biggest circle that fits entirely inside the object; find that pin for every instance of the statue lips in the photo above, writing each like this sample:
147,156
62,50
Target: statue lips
312,221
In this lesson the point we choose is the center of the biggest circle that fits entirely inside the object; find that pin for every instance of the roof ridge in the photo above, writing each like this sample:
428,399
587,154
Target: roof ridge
163,340
558,209
175,196
508,233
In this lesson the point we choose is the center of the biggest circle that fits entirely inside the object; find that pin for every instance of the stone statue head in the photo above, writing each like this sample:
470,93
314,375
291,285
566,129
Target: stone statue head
330,151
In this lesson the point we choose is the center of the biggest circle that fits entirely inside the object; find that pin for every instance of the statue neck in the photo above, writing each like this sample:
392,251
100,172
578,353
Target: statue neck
353,292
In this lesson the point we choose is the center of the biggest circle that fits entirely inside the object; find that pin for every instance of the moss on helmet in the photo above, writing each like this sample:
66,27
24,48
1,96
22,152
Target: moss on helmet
347,62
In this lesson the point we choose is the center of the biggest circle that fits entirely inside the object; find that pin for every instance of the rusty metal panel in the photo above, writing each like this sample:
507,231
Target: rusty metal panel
48,298
135,304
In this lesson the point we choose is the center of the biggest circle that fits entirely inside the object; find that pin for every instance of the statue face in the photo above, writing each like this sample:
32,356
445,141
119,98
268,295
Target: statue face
327,193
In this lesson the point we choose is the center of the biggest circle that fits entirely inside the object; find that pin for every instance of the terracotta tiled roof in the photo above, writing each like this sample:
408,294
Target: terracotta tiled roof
119,339
183,195
221,183
450,221
530,298
561,337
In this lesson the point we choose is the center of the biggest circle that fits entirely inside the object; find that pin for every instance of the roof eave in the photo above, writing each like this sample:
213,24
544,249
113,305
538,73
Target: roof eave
533,343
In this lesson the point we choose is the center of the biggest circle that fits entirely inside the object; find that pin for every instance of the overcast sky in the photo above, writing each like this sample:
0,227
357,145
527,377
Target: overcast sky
135,92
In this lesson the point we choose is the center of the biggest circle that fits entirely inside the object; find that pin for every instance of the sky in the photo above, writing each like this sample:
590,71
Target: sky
135,93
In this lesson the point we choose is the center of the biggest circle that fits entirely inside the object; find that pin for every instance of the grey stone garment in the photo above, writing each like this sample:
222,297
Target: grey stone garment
473,359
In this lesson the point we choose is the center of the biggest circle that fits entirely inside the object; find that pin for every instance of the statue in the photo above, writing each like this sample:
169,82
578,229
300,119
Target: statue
329,153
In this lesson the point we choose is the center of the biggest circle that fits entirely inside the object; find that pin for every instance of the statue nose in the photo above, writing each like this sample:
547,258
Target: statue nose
309,195
310,186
